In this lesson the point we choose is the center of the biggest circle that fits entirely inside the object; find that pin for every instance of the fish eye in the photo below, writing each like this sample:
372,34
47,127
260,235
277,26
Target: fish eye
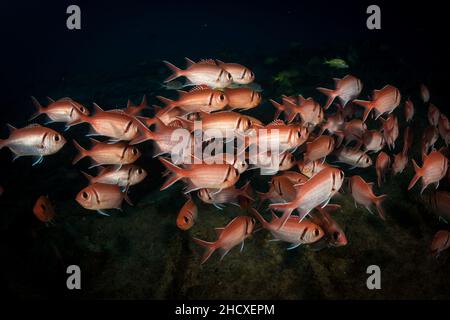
336,236
84,195
56,138
341,174
253,221
222,97
43,207
82,109
139,171
229,76
186,220
134,151
316,232
299,134
252,74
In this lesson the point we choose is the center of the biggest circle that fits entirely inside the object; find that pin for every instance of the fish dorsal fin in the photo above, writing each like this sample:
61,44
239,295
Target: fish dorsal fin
11,128
277,122
199,88
50,100
301,99
144,101
117,111
97,108
189,62
376,94
130,104
33,125
94,141
219,231
219,62
336,81
64,99
208,61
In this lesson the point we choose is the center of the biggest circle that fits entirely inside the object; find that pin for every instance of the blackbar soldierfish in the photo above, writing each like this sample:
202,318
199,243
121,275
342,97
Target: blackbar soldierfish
433,170
390,130
383,101
281,189
353,157
187,215
433,115
317,191
242,98
373,141
334,235
439,203
295,177
105,153
199,98
362,193
240,74
409,110
382,165
311,168
229,195
115,124
347,88
101,196
292,231
63,110
33,140
205,72
127,175
43,209
400,162
198,176
319,148
310,112
429,137
424,93
441,242
239,229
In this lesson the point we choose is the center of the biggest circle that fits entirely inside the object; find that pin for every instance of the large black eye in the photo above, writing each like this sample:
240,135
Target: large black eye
229,76
252,74
316,232
139,171
84,195
82,109
299,134
186,220
222,97
341,174
57,138
336,236
134,150
43,207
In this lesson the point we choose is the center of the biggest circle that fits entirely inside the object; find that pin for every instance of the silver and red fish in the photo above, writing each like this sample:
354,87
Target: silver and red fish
347,89
384,101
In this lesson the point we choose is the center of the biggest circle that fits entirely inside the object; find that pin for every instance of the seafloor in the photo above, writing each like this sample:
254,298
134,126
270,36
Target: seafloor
141,254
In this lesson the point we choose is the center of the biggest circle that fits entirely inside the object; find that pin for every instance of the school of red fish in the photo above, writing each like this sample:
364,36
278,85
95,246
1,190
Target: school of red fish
315,148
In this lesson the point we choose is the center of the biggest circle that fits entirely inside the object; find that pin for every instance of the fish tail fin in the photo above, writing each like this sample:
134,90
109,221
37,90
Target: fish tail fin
378,202
209,248
39,109
417,176
88,176
177,173
2,143
81,119
81,152
259,217
145,134
144,102
177,72
331,96
366,105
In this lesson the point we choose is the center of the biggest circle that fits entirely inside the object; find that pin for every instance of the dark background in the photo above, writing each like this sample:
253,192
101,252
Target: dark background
123,41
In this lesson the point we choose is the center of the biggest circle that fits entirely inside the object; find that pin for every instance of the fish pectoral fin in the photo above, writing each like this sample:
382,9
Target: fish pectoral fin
242,246
38,160
103,213
218,206
293,246
223,253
